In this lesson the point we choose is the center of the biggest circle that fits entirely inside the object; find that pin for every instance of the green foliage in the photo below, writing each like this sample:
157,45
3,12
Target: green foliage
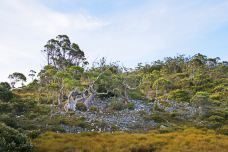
117,104
216,118
81,106
61,53
200,98
180,95
5,85
157,118
5,93
93,109
131,105
136,94
161,83
16,77
13,141
224,130
199,80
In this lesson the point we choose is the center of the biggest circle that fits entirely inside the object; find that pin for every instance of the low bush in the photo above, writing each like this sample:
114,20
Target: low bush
179,95
149,148
190,140
136,94
93,109
224,130
81,106
13,141
117,105
131,106
157,118
5,93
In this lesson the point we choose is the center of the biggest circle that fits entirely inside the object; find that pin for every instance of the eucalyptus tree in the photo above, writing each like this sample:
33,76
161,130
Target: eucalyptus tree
32,74
62,53
66,62
60,82
17,77
95,83
126,81
5,93
161,85
196,63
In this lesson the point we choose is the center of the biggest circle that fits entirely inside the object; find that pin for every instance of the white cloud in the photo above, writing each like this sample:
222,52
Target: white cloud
26,26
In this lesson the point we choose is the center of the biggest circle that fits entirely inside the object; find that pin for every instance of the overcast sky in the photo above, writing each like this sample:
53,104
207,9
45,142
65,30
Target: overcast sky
130,31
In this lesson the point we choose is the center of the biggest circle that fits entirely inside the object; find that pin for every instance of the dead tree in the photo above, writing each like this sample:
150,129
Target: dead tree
126,88
87,96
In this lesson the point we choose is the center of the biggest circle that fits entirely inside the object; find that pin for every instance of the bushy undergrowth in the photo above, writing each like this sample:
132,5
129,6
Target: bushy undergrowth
12,140
190,140
81,106
117,104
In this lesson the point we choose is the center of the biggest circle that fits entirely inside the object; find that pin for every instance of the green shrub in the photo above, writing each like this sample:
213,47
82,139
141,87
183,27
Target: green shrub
34,134
13,141
142,112
157,118
5,93
216,118
179,95
117,105
93,109
215,96
9,120
5,85
131,105
224,130
81,106
200,98
136,94
5,107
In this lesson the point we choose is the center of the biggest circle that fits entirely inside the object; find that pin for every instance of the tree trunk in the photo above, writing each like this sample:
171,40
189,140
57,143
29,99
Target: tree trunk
126,96
89,99
60,99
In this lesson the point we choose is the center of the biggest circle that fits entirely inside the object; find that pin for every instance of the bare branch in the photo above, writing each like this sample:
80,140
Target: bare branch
130,88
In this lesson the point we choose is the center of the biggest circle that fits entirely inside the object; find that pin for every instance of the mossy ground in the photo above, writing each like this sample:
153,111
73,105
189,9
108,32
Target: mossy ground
189,140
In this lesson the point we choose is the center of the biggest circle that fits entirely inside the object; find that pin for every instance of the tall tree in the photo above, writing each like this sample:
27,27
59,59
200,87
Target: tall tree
17,77
32,74
61,53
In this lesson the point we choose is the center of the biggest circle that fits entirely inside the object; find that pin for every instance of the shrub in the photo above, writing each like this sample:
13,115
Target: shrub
131,105
179,95
81,106
5,93
136,94
5,107
5,85
13,141
157,118
9,120
149,148
93,109
216,96
216,118
200,98
34,134
224,130
117,105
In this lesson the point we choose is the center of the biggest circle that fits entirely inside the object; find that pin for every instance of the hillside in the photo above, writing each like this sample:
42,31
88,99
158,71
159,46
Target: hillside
108,101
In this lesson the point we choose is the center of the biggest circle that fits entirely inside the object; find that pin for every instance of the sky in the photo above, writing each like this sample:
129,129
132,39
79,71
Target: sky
129,31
